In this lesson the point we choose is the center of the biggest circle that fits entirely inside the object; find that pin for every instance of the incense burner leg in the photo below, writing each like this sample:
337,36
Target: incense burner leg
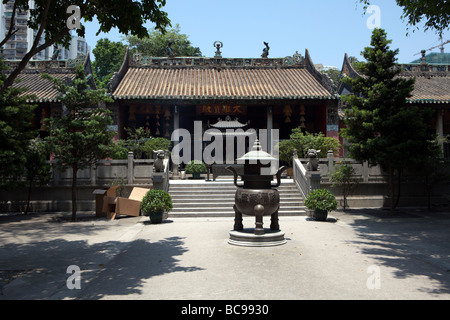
238,226
259,213
274,221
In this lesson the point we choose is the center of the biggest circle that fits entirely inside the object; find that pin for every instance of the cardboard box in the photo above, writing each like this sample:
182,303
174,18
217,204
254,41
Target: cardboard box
130,206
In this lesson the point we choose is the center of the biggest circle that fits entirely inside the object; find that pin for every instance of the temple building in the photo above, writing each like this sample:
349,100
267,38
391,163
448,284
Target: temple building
169,93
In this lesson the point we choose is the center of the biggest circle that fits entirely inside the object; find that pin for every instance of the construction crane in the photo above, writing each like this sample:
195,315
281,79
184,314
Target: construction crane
441,47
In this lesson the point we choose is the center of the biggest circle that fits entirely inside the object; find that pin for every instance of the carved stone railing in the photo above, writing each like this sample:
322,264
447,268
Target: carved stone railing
132,171
161,179
304,179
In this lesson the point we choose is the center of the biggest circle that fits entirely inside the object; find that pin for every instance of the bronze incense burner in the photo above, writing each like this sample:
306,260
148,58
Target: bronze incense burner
257,196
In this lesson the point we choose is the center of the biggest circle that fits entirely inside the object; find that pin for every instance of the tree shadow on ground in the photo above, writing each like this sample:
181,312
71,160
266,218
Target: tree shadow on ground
107,268
409,244
139,261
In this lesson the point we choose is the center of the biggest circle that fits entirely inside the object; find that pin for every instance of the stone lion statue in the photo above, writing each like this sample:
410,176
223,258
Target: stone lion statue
313,156
158,166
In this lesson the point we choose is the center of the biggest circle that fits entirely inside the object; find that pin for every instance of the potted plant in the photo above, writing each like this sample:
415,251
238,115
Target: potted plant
321,201
155,203
195,167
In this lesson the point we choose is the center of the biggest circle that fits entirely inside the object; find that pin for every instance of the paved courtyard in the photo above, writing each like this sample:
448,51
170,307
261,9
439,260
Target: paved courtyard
356,255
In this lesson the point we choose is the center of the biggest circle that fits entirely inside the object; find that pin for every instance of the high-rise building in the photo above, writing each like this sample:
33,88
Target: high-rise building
22,40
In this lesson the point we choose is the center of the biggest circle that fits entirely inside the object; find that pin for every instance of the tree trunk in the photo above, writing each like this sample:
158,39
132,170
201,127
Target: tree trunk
399,184
28,197
74,193
391,187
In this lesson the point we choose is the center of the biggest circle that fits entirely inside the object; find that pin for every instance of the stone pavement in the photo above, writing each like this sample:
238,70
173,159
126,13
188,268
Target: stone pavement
363,254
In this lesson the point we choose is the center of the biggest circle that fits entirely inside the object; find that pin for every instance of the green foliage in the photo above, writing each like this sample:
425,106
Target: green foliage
381,126
304,141
334,75
108,59
318,141
195,166
156,201
286,150
156,144
15,132
119,152
136,139
128,17
155,44
435,14
81,136
38,171
344,177
321,199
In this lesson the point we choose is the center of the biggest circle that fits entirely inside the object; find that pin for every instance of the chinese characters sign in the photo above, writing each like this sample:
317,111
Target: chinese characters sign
221,110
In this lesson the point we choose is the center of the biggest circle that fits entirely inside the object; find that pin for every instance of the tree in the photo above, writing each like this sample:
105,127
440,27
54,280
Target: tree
434,13
81,136
37,169
50,19
156,44
108,59
382,127
344,177
15,132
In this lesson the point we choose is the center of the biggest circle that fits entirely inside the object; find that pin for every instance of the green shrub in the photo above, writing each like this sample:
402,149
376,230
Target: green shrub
195,166
156,201
156,144
321,199
119,152
304,141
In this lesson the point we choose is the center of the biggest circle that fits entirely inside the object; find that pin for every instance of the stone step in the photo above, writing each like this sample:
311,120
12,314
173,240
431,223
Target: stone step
216,213
217,203
216,199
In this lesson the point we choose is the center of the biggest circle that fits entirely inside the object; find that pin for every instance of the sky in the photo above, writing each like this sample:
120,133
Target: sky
327,28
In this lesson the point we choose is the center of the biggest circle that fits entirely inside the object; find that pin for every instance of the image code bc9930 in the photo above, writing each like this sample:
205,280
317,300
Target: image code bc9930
243,309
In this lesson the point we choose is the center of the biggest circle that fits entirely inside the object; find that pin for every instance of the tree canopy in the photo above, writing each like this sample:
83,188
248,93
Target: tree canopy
50,19
15,132
157,42
108,59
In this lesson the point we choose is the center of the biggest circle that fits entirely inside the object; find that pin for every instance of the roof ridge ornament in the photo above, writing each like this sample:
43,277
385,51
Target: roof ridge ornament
218,45
265,53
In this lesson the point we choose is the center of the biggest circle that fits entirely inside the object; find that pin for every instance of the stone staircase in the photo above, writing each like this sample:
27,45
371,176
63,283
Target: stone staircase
202,198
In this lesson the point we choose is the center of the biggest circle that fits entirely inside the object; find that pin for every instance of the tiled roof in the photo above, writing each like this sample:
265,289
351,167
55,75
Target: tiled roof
431,89
42,89
219,83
